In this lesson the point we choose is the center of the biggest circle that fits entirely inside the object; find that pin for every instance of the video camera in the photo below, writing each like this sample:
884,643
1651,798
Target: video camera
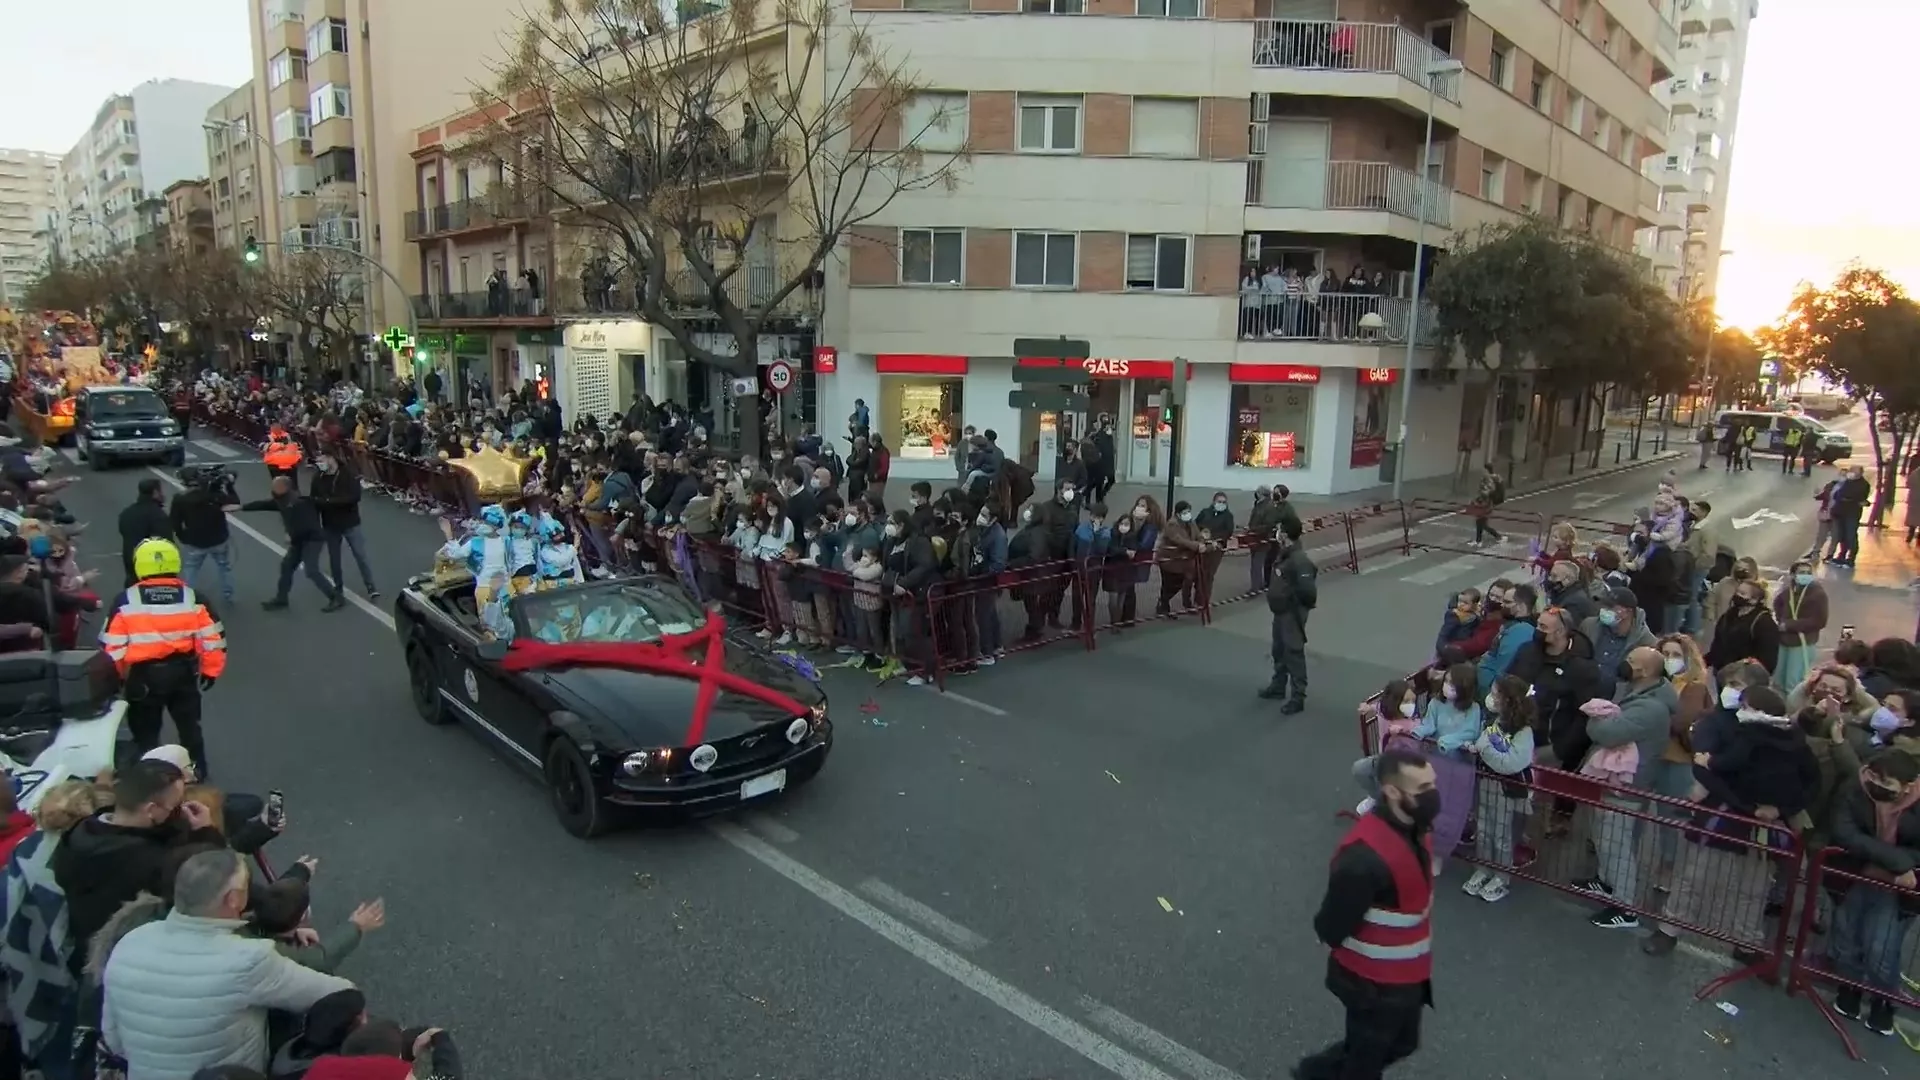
217,479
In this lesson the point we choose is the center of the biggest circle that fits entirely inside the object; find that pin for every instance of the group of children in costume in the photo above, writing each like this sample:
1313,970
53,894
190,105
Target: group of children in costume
510,553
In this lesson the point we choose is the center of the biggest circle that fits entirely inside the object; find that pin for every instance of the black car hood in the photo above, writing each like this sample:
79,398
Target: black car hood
656,710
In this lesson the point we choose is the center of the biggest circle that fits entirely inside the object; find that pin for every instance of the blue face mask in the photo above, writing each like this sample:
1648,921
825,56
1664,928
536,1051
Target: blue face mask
1803,580
1609,617
1884,722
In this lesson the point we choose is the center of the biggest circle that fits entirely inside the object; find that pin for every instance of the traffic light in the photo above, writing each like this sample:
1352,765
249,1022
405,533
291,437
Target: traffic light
251,252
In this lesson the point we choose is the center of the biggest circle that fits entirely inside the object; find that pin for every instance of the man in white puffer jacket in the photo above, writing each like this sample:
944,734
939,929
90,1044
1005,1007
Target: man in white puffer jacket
187,992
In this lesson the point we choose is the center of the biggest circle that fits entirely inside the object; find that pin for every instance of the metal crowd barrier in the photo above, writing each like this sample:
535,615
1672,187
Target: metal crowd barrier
1868,928
434,484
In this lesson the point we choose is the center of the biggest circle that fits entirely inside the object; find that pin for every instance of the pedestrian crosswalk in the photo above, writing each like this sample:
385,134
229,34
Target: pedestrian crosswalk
199,452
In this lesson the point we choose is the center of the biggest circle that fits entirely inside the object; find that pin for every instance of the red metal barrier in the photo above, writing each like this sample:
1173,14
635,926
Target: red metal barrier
1868,929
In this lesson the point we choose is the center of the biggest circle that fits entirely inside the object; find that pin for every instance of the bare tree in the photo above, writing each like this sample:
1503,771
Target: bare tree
701,167
320,293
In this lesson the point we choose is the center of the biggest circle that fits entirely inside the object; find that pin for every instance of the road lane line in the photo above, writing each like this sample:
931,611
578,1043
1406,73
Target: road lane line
1192,1062
1393,563
962,699
214,448
1059,1027
384,618
771,829
1452,568
914,911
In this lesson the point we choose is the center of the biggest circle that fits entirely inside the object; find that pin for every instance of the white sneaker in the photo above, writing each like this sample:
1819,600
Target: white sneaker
1474,884
917,680
1363,808
764,635
1495,889
785,638
985,661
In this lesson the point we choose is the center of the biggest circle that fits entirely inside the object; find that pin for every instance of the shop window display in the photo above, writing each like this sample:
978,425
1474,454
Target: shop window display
1271,425
917,414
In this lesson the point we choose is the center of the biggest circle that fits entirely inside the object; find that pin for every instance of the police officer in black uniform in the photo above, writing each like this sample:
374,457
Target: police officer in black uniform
1291,594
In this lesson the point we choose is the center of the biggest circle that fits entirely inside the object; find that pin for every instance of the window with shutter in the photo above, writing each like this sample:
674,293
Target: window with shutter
1166,127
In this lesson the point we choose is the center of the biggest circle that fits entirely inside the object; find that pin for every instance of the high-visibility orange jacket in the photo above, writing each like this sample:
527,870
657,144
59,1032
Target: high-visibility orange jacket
161,619
282,453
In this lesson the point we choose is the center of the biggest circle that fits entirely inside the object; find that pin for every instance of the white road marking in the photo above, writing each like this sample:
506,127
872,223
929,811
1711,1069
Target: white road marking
1565,484
771,829
220,450
1050,1022
1591,499
384,618
962,699
1393,562
914,911
1192,1062
1434,575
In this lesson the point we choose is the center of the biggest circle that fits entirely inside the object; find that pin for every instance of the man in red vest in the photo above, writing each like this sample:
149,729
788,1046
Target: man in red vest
1375,919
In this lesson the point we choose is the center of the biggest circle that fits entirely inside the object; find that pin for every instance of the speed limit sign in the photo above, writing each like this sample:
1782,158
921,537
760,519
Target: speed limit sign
779,376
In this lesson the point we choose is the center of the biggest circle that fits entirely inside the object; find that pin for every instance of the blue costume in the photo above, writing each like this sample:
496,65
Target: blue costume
559,561
484,553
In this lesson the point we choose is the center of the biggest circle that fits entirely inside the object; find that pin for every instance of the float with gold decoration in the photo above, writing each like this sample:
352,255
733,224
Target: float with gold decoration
55,355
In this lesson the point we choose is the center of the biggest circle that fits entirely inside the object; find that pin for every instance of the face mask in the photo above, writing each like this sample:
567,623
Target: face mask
1492,703
918,501
1883,794
983,521
1449,692
1220,504
1609,617
851,520
811,535
1407,709
1139,513
893,530
1424,809
1186,515
1884,722
1730,697
1676,664
1026,516
1803,580
1066,494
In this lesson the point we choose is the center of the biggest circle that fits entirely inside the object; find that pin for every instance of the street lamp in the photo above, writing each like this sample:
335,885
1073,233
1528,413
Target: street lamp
1438,68
1713,329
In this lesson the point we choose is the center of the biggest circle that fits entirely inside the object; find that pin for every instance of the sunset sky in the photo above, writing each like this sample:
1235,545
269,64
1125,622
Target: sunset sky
1823,170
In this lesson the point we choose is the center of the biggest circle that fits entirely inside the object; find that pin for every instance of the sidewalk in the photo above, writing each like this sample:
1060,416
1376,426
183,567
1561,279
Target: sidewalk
1442,488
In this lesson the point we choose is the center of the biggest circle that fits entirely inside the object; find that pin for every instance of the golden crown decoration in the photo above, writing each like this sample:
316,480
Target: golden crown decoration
495,475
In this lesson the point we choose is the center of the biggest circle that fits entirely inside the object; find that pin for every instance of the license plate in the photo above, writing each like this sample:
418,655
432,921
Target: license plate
764,785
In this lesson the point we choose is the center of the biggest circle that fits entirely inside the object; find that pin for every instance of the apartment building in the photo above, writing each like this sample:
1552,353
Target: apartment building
1704,98
189,217
308,64
139,143
239,169
29,182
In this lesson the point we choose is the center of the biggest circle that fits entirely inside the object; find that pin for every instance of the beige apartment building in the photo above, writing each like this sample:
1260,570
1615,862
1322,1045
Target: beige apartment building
239,172
189,217
29,181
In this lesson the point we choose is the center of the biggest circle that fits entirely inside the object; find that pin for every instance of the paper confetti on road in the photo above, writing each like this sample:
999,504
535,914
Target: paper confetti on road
1165,904
1727,1007
1110,775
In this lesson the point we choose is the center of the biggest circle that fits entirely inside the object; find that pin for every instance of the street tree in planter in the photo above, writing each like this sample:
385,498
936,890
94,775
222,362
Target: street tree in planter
1863,334
702,166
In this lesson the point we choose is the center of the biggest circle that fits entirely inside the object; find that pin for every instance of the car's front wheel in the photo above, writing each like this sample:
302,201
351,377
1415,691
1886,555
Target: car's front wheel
570,787
425,687
98,461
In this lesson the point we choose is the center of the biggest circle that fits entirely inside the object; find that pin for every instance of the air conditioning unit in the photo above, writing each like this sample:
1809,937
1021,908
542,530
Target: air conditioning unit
1257,138
1262,107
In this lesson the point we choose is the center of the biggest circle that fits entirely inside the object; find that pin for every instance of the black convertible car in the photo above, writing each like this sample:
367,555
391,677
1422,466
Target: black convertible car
622,694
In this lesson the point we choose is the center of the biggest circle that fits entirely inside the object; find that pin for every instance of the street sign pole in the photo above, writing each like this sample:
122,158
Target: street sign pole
1046,389
1176,424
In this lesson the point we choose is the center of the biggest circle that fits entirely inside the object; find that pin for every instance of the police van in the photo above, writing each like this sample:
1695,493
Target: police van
1773,427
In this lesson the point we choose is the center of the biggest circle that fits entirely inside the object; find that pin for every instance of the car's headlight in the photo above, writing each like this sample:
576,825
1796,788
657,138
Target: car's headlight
169,428
646,761
99,432
798,731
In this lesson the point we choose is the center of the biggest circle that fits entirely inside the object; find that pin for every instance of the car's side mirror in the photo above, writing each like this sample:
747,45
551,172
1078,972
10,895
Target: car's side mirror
493,651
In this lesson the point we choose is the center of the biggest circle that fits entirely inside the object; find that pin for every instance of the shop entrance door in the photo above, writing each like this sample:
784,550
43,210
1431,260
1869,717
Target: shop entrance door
1149,442
1042,433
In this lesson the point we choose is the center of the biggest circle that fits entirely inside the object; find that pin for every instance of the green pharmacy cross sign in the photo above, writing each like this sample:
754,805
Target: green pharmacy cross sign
396,338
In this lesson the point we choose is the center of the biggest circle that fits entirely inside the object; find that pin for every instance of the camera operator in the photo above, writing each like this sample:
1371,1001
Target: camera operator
200,525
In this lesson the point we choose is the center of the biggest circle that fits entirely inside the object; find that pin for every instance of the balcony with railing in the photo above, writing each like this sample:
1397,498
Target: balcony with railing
1334,318
1682,97
1372,187
1707,16
753,288
1348,59
473,307
1669,171
486,211
714,160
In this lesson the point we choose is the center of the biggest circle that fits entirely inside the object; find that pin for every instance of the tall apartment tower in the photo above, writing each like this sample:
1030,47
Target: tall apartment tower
28,182
139,144
1704,96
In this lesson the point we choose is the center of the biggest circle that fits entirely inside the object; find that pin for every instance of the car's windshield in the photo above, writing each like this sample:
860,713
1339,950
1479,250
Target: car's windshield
634,611
129,405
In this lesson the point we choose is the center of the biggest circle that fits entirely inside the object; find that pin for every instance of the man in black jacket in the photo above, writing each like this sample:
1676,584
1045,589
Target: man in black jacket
199,520
306,538
145,519
336,491
108,860
801,503
1292,594
1374,920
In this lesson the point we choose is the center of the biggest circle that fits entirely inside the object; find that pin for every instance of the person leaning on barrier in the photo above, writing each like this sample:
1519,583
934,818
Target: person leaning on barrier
1617,630
1376,921
1876,826
1764,771
1644,719
1291,597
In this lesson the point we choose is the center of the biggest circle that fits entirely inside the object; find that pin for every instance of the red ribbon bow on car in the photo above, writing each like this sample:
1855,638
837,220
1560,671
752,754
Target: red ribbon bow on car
700,655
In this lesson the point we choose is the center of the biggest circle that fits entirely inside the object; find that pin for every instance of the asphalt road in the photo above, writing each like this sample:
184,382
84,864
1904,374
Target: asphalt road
1076,866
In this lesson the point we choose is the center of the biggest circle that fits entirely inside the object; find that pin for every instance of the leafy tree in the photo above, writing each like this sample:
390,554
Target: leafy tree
703,166
1861,333
1585,315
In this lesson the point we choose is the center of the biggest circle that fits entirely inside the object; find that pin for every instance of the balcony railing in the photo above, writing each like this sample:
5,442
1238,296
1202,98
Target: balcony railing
1312,184
751,289
1323,44
479,212
511,304
720,158
1337,318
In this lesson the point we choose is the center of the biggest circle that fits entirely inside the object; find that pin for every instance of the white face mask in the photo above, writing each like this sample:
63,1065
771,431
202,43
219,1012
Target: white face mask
983,521
1408,708
1449,692
1492,703
1066,494
1729,697
1676,664
1139,513
850,520
893,530
1186,515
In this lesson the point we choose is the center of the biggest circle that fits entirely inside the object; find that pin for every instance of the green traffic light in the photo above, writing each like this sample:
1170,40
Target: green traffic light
252,251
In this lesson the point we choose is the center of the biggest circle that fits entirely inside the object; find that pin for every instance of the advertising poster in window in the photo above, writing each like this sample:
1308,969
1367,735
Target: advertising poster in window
1370,417
923,424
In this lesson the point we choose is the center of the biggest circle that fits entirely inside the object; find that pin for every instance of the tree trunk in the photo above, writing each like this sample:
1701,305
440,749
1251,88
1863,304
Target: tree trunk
1879,464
